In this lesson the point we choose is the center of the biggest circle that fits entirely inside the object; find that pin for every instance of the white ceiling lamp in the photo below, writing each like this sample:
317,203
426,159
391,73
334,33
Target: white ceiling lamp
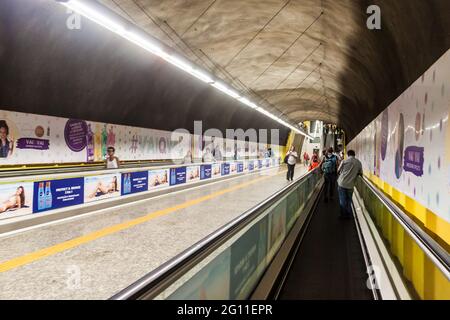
225,89
99,14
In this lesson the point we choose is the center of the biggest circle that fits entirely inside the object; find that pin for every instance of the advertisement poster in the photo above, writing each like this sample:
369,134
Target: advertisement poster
30,138
260,164
233,168
101,187
205,171
216,169
55,194
225,168
193,173
133,182
407,145
240,167
277,228
212,282
16,200
177,176
158,178
292,207
251,165
248,260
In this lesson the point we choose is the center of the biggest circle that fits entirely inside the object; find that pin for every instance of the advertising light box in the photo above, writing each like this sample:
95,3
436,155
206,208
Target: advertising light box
55,194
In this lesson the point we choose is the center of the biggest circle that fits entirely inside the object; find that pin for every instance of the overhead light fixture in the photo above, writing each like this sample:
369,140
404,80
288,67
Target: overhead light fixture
224,88
98,13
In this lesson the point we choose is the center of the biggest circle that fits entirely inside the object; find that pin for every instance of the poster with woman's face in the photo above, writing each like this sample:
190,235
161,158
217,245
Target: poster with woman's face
101,187
158,178
16,199
8,137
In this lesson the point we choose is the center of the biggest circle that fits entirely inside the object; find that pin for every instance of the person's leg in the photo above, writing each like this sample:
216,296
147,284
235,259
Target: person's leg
332,185
342,201
326,185
292,172
348,196
288,171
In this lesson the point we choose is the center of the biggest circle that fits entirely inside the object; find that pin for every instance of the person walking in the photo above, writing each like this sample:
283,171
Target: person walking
314,162
306,158
329,167
291,161
348,171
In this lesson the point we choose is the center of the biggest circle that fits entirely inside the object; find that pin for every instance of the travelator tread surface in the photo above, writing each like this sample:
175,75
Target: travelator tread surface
329,264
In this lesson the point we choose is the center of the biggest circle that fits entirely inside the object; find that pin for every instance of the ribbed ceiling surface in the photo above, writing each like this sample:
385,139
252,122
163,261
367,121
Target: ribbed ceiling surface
309,59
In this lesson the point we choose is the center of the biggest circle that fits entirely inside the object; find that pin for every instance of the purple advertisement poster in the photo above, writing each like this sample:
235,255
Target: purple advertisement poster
75,133
33,143
413,160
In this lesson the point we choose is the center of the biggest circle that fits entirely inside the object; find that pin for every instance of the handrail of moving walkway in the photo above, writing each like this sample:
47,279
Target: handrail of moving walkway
429,246
156,281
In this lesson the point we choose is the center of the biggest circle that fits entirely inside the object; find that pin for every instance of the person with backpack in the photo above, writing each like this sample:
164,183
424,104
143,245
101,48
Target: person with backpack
329,167
291,160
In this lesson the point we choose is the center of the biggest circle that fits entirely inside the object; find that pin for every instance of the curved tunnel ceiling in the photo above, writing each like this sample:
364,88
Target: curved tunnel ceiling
304,59
95,75
310,59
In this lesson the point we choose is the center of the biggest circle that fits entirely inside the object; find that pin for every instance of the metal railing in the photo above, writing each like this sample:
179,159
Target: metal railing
152,284
438,255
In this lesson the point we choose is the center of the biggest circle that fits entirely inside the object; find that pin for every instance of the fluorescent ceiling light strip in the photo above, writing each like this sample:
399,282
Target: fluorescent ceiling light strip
95,16
248,102
153,47
226,90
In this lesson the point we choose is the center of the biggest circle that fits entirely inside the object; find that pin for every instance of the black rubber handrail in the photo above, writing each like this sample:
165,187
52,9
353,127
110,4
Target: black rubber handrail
438,255
152,284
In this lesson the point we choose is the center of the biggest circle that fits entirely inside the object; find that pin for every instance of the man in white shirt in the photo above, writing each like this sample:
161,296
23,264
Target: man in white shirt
291,161
348,171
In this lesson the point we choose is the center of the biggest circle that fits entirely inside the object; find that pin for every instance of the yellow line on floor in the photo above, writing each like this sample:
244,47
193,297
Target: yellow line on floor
63,246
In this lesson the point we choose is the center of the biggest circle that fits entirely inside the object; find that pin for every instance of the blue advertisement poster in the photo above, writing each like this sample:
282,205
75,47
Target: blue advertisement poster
225,168
205,171
260,164
251,166
133,182
177,175
54,194
240,167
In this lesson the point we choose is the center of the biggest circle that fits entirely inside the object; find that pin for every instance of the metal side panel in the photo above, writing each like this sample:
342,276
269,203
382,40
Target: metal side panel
275,275
383,274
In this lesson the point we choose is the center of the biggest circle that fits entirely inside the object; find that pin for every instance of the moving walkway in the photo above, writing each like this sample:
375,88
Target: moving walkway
294,246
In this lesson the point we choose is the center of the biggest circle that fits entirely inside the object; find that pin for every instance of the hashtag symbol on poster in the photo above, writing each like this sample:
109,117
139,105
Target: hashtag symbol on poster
134,142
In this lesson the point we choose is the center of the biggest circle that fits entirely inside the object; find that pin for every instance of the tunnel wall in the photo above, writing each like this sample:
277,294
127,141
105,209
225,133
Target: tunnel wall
95,75
44,139
406,149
